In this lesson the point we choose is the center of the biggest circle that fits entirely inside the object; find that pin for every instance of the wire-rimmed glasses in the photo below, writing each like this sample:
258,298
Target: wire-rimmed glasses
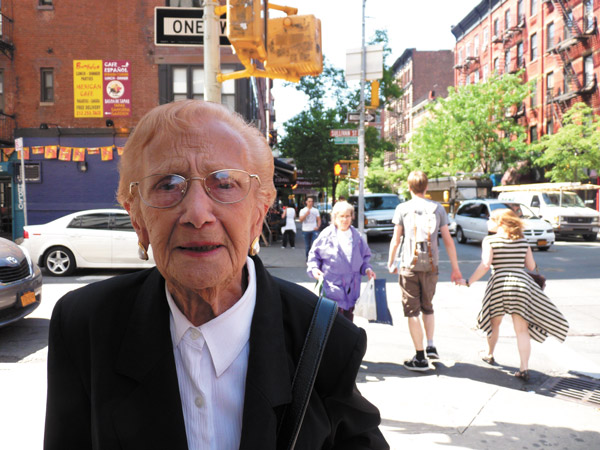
167,190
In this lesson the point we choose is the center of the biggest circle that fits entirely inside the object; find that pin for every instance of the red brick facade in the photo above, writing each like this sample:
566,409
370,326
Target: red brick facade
556,42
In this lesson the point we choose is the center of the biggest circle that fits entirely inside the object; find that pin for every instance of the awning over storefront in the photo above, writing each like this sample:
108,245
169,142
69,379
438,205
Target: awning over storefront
285,174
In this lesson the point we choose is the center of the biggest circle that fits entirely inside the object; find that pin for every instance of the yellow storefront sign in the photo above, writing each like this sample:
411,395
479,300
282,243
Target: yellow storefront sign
87,88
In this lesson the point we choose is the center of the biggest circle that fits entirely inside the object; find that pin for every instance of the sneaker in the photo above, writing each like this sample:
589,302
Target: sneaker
282,246
432,353
418,365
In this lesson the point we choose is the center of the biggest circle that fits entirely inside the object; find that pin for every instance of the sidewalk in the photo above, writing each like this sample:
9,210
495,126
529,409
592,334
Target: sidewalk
462,403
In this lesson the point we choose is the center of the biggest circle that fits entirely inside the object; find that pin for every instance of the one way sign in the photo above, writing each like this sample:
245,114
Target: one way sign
184,26
354,117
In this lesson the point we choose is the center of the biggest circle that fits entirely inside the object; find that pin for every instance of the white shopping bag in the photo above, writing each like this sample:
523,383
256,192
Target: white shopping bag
366,306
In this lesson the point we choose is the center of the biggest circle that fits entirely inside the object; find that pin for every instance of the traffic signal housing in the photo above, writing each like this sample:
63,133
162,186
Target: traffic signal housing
340,169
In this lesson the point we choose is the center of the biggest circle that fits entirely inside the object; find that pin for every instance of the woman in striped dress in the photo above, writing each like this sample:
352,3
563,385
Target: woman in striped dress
511,290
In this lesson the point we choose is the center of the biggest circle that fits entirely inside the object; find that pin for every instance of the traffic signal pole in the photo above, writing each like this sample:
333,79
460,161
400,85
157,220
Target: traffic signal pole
212,54
361,131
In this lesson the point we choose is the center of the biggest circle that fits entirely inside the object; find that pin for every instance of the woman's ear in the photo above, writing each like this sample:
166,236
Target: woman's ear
138,223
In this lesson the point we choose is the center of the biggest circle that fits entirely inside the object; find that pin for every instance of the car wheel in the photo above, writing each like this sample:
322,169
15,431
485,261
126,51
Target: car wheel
590,237
60,261
460,236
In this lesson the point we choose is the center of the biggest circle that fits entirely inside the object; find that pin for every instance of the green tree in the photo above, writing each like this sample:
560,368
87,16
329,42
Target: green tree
473,129
574,148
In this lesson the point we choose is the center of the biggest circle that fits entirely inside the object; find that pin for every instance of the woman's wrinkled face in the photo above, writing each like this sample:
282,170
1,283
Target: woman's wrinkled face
343,220
199,243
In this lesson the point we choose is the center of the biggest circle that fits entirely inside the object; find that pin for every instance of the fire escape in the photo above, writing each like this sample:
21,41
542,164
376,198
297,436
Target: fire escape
7,121
574,36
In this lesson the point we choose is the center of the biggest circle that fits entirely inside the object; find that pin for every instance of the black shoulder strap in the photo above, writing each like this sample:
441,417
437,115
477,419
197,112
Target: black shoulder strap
306,372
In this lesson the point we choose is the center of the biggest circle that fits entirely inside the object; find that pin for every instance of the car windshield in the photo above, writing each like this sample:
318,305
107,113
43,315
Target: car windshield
521,210
376,203
568,199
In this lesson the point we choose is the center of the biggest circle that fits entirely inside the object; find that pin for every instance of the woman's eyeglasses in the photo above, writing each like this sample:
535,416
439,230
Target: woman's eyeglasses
168,190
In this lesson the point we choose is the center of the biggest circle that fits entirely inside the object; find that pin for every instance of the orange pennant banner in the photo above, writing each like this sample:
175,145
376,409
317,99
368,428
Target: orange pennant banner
78,154
107,153
65,154
50,151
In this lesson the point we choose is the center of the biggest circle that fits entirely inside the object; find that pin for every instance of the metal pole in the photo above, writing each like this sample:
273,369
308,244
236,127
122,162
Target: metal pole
361,131
212,54
19,147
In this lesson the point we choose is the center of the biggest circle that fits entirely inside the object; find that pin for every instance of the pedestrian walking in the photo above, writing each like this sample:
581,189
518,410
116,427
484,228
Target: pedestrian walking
510,290
339,257
289,229
311,221
417,223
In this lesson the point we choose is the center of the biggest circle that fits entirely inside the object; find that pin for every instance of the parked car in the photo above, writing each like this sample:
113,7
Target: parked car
470,222
325,213
96,238
379,212
20,283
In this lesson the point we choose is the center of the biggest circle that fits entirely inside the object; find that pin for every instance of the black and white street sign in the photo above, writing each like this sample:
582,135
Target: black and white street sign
354,117
184,26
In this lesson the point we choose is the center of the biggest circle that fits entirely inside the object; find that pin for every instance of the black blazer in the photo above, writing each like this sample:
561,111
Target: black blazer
112,382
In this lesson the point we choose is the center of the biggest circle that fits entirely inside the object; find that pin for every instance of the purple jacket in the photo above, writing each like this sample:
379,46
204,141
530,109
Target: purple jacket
341,277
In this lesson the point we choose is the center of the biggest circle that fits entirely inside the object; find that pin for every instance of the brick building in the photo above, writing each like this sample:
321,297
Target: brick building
423,76
556,42
75,77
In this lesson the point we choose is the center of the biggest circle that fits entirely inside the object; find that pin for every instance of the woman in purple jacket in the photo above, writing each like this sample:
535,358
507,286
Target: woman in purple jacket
340,256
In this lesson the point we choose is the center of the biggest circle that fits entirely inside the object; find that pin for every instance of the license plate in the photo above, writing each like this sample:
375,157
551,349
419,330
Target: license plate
27,298
542,242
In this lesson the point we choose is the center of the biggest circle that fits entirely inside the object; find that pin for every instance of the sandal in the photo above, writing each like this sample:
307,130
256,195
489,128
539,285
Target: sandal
523,375
487,359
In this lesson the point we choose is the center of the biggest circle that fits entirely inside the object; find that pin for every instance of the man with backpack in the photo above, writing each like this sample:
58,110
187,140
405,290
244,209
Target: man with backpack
417,223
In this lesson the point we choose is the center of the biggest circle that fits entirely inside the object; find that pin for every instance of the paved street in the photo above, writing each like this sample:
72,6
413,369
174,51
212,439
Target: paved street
462,403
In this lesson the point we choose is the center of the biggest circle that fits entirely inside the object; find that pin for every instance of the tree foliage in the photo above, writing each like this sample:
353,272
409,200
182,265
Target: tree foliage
473,129
573,149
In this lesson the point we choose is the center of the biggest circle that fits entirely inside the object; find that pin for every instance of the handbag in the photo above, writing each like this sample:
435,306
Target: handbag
366,305
539,279
306,372
383,312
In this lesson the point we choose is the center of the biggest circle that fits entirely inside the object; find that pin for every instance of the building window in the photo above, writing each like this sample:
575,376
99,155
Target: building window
496,65
507,61
568,24
550,36
550,127
188,83
550,84
485,73
460,56
533,134
507,19
588,15
468,50
520,56
476,76
534,96
476,45
47,85
45,2
486,38
534,47
588,73
566,81
1,91
534,7
496,28
520,10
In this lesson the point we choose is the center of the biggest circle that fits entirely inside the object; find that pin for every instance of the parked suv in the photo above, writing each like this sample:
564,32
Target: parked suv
472,216
379,212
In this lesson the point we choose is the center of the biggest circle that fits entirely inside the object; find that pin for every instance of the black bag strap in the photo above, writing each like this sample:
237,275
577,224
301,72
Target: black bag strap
306,372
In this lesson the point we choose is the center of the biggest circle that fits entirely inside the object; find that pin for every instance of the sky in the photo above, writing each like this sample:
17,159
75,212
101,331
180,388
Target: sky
420,24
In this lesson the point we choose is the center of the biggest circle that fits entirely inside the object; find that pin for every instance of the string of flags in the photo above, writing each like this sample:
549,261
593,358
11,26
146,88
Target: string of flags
63,153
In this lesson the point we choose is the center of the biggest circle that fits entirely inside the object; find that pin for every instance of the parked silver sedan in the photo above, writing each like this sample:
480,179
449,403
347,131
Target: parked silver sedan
470,222
20,283
96,238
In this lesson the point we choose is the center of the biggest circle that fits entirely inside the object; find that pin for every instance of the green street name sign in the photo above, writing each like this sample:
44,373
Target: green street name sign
346,140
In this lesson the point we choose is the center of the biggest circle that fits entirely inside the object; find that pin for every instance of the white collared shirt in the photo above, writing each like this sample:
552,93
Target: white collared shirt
211,362
345,240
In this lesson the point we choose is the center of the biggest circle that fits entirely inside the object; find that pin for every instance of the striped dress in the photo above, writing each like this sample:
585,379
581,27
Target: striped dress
511,291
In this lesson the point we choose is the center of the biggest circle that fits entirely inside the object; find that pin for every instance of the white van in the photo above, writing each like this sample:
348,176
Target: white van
562,208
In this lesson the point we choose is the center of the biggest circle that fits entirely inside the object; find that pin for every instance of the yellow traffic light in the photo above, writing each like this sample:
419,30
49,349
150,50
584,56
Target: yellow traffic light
340,169
294,46
246,27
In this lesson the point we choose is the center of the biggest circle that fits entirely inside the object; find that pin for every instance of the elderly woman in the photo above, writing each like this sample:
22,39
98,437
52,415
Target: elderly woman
340,256
200,351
